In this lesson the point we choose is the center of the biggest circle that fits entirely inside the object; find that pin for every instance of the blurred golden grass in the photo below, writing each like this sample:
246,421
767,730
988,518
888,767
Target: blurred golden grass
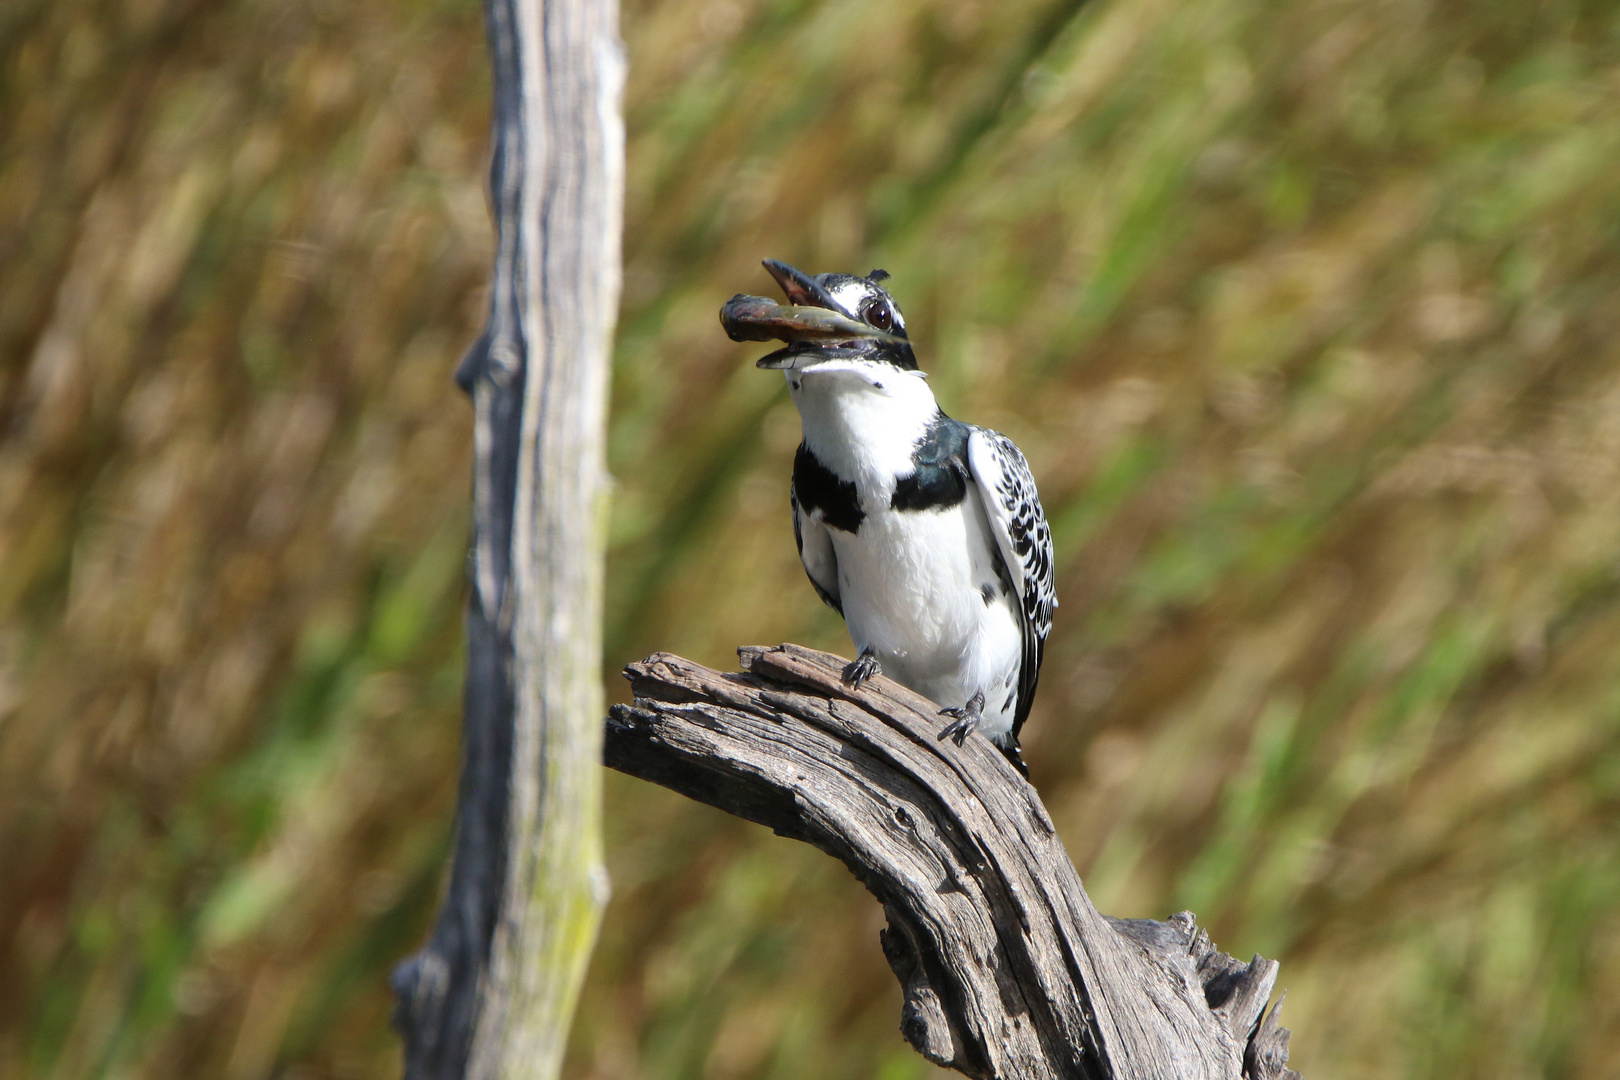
1305,314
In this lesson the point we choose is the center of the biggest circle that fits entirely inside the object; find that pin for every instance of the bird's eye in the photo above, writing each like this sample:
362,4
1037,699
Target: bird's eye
878,314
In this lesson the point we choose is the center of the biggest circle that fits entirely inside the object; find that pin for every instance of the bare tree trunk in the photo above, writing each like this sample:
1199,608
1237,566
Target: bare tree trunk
1008,970
493,991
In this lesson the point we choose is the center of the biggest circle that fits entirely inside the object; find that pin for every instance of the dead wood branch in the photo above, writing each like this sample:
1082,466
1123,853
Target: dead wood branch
492,992
1008,969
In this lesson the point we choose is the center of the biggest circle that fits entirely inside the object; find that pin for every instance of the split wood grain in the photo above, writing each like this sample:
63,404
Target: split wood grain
1007,968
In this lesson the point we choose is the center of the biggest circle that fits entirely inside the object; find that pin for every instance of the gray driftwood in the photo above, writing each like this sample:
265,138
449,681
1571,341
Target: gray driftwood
492,992
1008,970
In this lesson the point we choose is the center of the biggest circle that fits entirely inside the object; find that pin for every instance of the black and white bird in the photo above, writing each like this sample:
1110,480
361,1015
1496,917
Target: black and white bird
923,532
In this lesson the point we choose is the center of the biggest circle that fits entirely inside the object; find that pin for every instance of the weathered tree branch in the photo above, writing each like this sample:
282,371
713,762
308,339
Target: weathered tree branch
1008,970
492,992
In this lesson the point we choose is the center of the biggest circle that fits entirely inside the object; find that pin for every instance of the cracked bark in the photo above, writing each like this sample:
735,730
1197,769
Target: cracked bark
1007,968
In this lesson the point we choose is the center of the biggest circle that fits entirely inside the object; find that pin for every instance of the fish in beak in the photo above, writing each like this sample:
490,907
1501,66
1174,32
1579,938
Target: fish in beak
814,323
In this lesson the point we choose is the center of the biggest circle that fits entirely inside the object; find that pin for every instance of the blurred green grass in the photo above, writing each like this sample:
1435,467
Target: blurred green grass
1305,314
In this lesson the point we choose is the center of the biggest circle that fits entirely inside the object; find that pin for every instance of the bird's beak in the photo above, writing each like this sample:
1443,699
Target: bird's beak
810,320
801,289
815,326
754,318
804,355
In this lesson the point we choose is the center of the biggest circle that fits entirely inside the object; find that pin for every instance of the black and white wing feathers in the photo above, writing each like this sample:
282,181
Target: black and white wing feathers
1025,541
816,552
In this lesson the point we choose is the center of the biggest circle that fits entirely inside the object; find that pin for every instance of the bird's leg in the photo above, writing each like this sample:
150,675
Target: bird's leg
862,668
966,719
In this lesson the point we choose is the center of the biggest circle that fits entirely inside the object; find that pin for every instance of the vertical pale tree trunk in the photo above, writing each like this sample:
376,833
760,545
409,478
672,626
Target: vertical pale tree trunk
492,993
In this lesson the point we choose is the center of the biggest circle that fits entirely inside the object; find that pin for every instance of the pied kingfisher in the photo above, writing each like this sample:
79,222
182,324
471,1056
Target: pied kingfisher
923,532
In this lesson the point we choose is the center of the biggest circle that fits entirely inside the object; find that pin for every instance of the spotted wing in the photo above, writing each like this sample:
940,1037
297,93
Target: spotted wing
1019,526
816,552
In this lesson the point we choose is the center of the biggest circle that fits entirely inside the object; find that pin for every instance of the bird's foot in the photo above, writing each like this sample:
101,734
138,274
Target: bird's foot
862,668
964,721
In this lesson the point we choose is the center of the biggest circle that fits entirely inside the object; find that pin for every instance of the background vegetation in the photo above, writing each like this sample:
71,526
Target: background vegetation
1306,313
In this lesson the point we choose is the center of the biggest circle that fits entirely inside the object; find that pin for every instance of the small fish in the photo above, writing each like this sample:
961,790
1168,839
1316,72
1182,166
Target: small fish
754,318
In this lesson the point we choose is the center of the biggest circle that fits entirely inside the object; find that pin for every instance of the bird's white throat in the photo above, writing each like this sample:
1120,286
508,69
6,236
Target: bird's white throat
863,419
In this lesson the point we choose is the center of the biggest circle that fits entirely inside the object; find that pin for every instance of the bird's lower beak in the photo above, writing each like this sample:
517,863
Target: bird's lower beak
804,355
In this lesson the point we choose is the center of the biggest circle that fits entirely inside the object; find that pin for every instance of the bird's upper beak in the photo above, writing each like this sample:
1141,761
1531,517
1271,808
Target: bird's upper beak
812,323
800,288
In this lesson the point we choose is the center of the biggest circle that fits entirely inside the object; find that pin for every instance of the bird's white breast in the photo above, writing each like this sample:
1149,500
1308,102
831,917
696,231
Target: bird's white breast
914,586
918,587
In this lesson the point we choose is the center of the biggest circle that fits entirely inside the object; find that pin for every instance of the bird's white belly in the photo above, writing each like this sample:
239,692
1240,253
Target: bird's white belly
914,592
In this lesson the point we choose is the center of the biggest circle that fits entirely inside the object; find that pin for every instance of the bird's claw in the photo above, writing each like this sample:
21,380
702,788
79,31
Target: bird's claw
965,720
860,669
958,729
